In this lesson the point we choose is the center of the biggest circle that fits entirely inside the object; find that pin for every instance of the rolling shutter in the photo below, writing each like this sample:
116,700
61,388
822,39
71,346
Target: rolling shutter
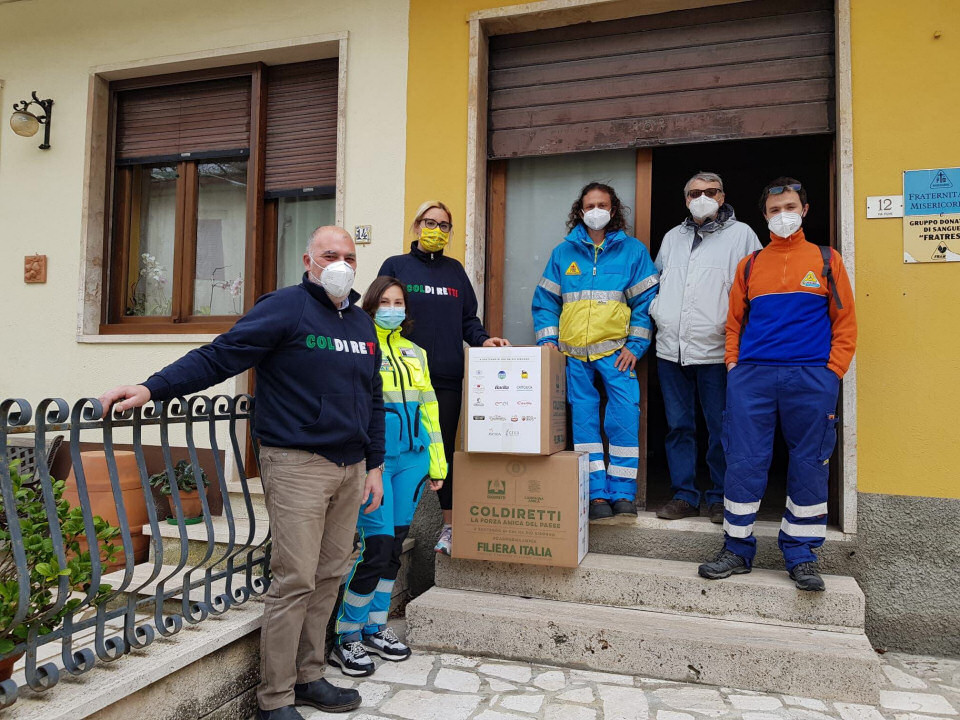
301,149
743,70
177,120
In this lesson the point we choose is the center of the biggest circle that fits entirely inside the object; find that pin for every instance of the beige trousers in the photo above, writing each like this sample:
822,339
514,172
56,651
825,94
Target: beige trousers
312,505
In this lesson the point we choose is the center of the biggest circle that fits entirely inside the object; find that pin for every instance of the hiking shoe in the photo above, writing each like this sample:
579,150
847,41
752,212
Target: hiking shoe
627,508
386,645
807,577
325,696
716,513
600,510
676,509
445,540
724,565
352,659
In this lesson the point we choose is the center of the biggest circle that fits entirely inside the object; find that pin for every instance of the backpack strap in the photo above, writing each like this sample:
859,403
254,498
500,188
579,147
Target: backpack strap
746,289
827,254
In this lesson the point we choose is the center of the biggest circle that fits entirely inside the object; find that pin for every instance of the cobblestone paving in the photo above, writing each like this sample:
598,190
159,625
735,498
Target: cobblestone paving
432,686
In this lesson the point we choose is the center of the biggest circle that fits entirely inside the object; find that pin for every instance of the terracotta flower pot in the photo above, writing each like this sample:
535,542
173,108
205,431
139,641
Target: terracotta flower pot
190,502
102,503
6,666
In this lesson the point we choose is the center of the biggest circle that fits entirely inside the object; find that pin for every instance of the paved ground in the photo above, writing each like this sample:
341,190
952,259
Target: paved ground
432,686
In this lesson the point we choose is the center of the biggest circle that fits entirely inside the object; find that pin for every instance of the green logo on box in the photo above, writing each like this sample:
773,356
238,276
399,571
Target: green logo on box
496,487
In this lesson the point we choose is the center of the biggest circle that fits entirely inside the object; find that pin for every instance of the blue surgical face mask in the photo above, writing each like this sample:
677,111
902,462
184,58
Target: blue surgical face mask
391,318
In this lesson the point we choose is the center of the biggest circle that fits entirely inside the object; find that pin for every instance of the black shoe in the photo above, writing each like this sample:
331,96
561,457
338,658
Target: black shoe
716,513
724,565
288,712
676,509
806,576
600,510
625,507
326,697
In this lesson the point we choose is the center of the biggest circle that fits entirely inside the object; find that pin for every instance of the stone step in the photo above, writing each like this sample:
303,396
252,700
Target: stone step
670,586
238,503
697,539
198,541
751,656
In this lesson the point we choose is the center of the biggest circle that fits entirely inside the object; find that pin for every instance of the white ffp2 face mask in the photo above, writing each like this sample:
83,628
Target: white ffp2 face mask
703,207
785,224
596,218
336,278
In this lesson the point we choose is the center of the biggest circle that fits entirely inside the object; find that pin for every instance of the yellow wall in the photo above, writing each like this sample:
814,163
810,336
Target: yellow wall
50,46
905,86
904,81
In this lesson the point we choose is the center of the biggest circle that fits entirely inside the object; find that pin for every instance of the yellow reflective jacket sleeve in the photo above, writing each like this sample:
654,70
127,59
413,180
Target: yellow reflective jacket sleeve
430,419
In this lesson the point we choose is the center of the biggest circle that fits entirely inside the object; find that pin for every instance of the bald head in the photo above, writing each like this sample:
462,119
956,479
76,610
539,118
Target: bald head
325,234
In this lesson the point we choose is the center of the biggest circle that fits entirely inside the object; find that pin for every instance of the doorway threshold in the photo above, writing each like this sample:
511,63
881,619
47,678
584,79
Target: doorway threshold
648,520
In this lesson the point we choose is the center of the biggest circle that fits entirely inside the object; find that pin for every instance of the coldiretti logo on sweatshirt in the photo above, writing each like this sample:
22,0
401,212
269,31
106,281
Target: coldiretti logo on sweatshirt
433,290
325,342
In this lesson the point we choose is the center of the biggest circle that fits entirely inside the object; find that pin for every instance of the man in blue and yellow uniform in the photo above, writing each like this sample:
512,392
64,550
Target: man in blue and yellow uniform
592,304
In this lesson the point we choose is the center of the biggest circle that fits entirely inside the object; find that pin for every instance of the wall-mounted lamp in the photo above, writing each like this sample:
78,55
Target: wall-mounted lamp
26,123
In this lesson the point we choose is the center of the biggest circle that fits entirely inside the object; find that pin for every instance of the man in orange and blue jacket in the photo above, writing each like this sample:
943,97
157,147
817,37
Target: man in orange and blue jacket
790,336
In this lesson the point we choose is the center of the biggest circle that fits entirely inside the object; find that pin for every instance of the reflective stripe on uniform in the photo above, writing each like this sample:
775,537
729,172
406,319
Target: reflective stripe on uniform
588,447
624,451
549,285
640,332
597,465
606,295
428,396
644,284
436,437
805,511
393,396
385,586
737,531
607,346
803,531
741,508
547,332
622,472
377,618
351,598
344,627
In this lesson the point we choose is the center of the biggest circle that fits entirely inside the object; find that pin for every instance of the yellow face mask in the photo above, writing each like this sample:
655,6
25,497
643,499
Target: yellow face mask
433,240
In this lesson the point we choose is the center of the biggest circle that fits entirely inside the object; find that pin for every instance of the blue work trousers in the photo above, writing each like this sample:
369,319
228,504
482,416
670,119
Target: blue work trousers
366,598
805,400
680,385
618,480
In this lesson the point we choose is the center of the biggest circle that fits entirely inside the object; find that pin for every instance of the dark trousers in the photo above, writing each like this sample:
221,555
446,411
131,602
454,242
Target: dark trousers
449,402
680,385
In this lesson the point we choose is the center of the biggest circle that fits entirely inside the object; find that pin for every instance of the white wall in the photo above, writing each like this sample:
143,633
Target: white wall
51,46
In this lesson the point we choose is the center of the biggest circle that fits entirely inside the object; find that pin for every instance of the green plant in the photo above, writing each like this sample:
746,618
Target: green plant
183,474
42,565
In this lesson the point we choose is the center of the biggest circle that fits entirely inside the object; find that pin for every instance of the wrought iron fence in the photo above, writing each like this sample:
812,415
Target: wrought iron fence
53,553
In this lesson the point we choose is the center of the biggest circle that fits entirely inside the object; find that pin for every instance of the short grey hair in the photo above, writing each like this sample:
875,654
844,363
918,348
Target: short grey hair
319,230
705,177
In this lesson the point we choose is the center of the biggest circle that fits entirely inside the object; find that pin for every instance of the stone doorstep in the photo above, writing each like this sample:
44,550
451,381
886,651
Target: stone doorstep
766,658
144,587
670,586
79,697
697,539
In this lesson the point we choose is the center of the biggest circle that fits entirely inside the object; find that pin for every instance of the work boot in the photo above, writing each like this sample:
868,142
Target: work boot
386,645
287,712
326,697
806,576
625,508
352,659
716,513
676,509
724,565
600,510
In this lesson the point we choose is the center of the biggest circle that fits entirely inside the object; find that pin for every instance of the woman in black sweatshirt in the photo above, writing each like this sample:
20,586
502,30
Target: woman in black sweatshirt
444,307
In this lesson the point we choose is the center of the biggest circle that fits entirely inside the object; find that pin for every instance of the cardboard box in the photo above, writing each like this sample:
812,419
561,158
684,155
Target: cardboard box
515,400
522,509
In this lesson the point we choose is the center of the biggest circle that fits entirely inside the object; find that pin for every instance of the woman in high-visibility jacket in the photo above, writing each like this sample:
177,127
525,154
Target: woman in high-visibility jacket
414,458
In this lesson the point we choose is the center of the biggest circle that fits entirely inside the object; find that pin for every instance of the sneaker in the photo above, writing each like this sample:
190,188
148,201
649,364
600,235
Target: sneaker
352,659
627,508
716,513
676,509
600,510
724,565
386,645
807,577
444,541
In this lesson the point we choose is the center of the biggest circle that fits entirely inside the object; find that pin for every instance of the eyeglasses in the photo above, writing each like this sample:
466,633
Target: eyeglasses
709,192
778,189
431,224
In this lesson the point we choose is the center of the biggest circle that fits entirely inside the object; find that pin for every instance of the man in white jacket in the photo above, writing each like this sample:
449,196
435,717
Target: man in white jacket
697,262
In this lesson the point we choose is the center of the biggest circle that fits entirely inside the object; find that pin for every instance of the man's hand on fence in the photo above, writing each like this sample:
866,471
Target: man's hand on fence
131,396
372,490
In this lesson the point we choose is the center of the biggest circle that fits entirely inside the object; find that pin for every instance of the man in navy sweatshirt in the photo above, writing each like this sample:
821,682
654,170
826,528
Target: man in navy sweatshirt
320,423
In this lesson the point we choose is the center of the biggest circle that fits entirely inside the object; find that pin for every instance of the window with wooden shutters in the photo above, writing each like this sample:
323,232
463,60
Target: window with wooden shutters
733,71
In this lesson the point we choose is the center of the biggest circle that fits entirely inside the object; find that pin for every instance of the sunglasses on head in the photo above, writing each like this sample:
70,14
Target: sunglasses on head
709,192
778,189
